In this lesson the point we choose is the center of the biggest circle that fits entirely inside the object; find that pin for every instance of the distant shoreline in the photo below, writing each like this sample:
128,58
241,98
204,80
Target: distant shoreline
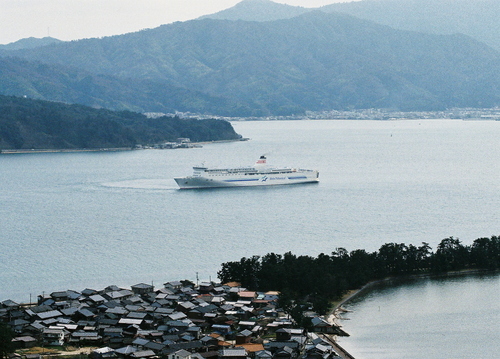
117,149
56,150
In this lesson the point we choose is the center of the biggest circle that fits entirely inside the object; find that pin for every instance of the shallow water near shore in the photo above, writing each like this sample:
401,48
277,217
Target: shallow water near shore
442,317
78,220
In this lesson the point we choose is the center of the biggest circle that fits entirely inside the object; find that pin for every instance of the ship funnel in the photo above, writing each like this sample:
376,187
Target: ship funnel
261,164
261,160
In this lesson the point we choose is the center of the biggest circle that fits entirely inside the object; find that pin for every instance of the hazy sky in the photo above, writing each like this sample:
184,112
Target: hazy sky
77,19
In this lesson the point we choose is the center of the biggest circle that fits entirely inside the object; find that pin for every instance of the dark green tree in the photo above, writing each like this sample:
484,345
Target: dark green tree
485,253
245,271
286,300
424,256
6,346
451,254
271,275
360,269
321,303
392,258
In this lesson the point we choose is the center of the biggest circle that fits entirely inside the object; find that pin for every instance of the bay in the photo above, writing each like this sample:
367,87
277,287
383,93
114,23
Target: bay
92,219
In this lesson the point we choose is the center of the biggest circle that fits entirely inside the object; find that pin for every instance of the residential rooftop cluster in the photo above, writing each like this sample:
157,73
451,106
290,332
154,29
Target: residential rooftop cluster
181,320
384,114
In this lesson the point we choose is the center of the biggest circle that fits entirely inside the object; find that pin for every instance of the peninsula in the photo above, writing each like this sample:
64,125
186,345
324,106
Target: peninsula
27,124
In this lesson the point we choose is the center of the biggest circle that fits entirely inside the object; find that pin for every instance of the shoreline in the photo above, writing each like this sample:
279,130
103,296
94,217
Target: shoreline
65,150
104,149
351,294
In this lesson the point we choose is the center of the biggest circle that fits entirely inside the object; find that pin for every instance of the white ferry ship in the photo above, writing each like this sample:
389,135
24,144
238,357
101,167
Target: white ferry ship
259,175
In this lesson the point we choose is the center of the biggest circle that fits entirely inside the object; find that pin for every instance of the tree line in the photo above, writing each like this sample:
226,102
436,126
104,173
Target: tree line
319,280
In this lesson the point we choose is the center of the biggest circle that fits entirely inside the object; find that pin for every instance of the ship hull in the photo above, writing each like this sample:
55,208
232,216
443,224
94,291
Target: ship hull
247,181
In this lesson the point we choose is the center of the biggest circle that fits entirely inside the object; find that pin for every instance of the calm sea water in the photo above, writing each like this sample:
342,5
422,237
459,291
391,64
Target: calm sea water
78,220
433,318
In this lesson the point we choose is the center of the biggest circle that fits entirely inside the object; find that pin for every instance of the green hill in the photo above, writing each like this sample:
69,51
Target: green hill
54,82
315,61
475,18
36,124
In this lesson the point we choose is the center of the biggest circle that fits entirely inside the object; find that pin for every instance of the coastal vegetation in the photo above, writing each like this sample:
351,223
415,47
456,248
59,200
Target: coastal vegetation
36,124
306,281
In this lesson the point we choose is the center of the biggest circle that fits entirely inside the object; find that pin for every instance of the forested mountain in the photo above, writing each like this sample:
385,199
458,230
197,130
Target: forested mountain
315,61
475,18
54,82
36,124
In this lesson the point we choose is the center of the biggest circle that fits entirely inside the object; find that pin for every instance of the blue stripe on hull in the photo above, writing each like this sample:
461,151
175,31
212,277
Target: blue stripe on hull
242,180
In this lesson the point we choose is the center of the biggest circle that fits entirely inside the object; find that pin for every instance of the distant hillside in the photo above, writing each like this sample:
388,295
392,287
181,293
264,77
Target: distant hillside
475,18
258,10
29,43
54,82
35,124
315,61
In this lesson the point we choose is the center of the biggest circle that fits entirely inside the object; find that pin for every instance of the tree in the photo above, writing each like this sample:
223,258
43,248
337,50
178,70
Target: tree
245,271
424,256
450,255
6,335
485,253
392,258
361,268
271,274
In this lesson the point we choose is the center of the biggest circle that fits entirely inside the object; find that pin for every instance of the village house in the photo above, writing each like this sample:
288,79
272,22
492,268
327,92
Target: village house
104,353
233,353
178,321
24,342
320,325
142,288
174,286
180,354
54,336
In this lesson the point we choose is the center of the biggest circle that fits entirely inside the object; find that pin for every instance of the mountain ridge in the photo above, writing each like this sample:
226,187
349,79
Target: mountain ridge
478,19
314,61
475,18
29,43
257,10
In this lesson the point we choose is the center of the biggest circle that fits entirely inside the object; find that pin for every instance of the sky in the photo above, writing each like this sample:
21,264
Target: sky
77,19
